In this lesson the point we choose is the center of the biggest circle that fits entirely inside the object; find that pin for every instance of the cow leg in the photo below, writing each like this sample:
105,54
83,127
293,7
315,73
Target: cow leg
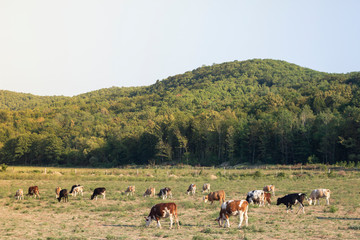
301,207
241,216
158,223
177,221
171,221
227,223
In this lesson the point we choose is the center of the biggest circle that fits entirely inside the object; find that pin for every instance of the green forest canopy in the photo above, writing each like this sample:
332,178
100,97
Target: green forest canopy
255,111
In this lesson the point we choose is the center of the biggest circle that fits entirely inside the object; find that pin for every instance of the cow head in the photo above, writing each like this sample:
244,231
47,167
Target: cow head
148,220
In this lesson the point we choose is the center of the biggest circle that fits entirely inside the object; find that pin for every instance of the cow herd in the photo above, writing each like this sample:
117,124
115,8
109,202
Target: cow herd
228,208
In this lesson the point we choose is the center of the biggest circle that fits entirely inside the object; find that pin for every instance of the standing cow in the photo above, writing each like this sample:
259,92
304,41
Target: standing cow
163,210
233,208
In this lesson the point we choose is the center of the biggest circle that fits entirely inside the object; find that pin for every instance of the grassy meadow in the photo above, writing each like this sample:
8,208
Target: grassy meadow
122,217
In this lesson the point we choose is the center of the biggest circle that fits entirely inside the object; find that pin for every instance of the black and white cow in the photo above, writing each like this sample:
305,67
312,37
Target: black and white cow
98,191
165,193
292,199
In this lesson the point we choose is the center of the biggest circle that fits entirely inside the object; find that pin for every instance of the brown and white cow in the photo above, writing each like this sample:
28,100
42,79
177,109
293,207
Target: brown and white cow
215,196
34,190
97,192
163,210
57,192
233,208
149,192
165,193
191,189
19,194
270,188
319,193
130,190
206,187
78,190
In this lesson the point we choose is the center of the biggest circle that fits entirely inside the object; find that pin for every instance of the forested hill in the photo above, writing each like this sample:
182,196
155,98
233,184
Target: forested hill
252,111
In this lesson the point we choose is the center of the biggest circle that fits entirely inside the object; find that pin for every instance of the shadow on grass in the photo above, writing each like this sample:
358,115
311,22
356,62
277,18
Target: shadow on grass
337,218
121,225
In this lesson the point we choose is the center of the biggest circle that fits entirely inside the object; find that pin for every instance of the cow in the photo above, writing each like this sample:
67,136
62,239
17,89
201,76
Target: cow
292,199
267,197
57,192
215,196
233,208
206,187
63,195
72,189
98,191
149,192
163,210
19,194
165,193
34,190
130,190
319,193
256,196
191,189
77,190
270,188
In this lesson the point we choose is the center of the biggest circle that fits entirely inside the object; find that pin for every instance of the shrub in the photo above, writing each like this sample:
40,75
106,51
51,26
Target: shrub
281,175
333,209
258,174
4,167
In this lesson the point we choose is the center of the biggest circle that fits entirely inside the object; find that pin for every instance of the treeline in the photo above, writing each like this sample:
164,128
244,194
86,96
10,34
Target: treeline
256,111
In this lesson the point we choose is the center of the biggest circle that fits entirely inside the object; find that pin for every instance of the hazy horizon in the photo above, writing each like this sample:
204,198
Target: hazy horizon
73,47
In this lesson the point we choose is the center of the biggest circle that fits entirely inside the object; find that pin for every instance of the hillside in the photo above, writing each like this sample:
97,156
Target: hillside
251,111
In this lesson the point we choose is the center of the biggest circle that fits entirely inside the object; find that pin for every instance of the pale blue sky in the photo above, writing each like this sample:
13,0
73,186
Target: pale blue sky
70,47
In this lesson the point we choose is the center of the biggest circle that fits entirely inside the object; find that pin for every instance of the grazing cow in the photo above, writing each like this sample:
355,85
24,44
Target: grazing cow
19,194
206,187
165,193
34,190
233,208
270,188
73,187
63,195
57,192
319,193
191,189
267,197
215,196
292,199
130,190
149,192
98,191
256,196
77,190
163,210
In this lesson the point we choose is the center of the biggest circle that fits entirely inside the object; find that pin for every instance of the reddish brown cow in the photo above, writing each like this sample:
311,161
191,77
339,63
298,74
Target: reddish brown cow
233,208
270,188
163,210
34,190
267,197
215,196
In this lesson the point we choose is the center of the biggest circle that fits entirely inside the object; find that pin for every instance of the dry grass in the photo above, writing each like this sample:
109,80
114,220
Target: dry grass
122,217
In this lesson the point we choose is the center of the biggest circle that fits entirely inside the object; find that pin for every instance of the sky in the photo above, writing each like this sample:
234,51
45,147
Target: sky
70,47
